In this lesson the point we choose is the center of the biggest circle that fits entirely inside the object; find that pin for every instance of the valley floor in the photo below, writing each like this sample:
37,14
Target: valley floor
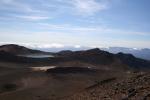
19,82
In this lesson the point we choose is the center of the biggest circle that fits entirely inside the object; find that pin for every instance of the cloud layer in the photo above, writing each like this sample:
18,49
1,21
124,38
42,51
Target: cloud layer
73,22
33,9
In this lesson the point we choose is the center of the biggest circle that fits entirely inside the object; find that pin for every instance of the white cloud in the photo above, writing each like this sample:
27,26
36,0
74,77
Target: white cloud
89,30
37,45
41,10
34,18
14,5
20,8
77,46
53,45
89,7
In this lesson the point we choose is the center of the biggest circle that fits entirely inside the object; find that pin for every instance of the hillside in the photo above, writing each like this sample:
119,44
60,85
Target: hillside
18,50
89,58
102,58
134,87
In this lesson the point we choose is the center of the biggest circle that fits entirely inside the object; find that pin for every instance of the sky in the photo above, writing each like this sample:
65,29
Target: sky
92,23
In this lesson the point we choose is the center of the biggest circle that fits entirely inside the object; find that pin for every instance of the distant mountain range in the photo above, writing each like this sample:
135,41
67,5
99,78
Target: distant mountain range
140,53
99,57
94,58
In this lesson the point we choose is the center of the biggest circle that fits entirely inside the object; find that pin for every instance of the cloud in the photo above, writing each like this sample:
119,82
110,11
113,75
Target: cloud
69,24
15,6
89,29
34,18
77,46
51,8
20,9
53,45
89,7
58,39
43,46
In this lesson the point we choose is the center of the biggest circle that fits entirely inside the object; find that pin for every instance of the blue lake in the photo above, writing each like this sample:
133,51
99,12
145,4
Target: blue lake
37,56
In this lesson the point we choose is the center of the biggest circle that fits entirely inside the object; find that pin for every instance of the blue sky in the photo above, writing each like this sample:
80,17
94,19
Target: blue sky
93,23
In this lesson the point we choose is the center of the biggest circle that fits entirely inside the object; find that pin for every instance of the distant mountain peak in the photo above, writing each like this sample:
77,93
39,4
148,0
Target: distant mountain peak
140,53
125,55
94,50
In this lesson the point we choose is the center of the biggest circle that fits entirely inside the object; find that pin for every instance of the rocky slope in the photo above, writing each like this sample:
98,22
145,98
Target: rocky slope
18,50
134,87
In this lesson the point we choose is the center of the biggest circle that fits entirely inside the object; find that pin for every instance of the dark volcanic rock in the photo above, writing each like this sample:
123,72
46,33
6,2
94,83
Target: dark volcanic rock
18,50
94,56
67,70
65,53
133,62
100,57
130,88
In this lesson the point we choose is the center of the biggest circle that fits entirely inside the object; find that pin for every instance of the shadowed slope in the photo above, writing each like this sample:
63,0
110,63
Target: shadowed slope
18,50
